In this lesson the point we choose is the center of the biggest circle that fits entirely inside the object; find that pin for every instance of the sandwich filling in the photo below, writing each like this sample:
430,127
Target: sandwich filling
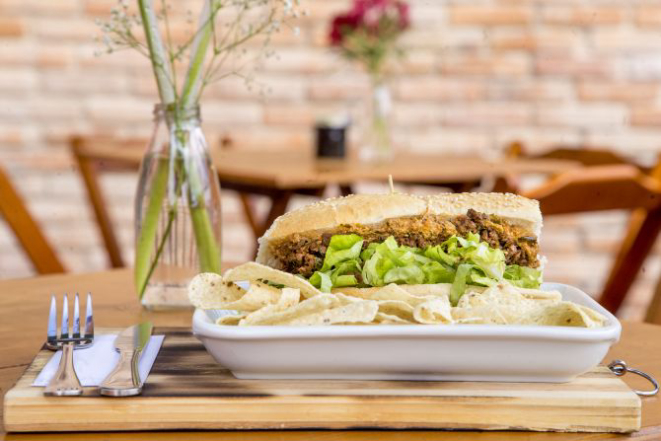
304,254
472,249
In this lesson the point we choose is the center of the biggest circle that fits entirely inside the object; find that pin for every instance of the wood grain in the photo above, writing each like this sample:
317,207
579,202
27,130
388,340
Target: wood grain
24,309
188,390
293,170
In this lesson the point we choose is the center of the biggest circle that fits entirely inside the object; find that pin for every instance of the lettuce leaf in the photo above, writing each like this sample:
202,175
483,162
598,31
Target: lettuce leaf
409,274
341,263
523,277
460,261
438,273
322,281
460,281
342,247
439,255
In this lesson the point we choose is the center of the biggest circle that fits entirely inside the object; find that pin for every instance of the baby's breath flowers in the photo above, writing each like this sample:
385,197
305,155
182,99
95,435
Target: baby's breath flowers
229,36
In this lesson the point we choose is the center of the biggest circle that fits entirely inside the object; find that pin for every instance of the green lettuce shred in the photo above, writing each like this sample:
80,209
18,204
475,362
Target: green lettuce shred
523,277
461,261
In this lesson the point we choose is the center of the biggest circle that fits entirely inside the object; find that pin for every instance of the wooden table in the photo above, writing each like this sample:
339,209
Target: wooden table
24,310
279,175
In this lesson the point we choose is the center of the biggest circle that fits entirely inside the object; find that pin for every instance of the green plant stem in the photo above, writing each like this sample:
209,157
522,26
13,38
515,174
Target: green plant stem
207,247
193,82
205,238
157,53
172,213
167,93
148,229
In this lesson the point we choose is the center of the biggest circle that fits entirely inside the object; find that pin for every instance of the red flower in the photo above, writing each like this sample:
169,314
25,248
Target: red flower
343,24
374,17
404,18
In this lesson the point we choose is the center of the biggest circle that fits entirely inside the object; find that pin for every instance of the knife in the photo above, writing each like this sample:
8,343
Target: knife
124,380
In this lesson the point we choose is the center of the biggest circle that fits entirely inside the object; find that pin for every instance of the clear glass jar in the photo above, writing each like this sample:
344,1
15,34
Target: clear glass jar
377,140
177,210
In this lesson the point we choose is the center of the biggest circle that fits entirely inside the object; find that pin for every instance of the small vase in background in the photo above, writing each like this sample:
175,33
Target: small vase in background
376,145
177,210
367,33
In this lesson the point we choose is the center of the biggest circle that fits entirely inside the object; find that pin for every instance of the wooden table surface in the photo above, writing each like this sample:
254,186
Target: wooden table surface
295,170
24,310
280,174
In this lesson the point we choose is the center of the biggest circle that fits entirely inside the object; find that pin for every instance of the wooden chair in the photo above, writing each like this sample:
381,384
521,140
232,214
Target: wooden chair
643,227
587,155
92,154
653,314
642,232
612,187
27,231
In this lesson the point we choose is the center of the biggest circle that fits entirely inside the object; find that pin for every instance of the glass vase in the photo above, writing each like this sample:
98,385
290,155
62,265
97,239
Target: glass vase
377,140
177,210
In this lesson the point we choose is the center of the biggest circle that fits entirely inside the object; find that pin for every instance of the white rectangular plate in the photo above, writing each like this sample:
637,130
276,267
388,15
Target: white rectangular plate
413,352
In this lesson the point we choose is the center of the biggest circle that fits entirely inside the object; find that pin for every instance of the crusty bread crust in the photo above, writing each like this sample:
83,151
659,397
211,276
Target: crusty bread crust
374,208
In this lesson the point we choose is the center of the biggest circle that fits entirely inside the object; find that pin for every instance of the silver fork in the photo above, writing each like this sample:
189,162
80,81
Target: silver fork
65,382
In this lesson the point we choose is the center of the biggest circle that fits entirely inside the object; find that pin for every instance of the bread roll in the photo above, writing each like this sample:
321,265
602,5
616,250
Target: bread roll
369,209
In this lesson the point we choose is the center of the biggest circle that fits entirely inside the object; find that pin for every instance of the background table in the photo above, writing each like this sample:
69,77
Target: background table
279,175
24,311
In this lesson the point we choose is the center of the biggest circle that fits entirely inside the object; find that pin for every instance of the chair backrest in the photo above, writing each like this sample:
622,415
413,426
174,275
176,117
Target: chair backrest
26,229
91,154
610,187
586,155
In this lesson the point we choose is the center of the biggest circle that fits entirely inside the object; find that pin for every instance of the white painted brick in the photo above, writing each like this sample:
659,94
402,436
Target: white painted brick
606,115
228,114
17,81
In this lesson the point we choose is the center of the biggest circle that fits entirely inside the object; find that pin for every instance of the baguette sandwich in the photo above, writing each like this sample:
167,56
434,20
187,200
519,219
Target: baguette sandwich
360,242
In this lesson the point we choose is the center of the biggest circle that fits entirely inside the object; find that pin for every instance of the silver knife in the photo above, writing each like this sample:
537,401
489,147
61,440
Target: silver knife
124,380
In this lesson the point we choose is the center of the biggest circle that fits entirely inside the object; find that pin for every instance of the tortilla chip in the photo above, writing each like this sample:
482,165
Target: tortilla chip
398,308
345,299
566,314
387,319
230,319
288,299
538,294
264,304
357,312
253,271
434,311
436,289
210,291
308,306
395,292
502,304
258,296
596,317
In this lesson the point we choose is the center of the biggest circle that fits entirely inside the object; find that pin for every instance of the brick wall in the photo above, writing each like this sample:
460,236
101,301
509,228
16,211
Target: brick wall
478,73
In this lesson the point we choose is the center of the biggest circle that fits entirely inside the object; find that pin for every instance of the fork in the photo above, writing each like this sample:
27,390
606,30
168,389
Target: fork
65,382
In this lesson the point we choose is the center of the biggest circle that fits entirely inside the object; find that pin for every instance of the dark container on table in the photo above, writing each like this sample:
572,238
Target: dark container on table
331,140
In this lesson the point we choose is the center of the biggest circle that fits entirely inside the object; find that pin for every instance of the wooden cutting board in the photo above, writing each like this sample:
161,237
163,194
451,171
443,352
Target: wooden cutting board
188,390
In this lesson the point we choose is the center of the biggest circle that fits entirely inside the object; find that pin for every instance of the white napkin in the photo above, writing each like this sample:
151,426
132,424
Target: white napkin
95,363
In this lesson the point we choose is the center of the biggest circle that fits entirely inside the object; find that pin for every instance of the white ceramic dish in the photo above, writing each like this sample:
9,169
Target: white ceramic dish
412,352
